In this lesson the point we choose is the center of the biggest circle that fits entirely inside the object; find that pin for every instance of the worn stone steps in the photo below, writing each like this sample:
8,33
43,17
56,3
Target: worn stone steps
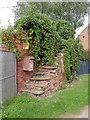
35,92
41,73
42,82
40,78
48,67
37,85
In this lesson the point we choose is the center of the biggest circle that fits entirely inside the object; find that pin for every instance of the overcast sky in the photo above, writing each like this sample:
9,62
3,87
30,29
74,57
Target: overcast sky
7,15
78,31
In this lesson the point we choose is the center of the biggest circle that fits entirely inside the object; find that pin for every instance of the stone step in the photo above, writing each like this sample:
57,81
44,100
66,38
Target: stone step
25,90
48,67
40,78
37,85
41,73
35,92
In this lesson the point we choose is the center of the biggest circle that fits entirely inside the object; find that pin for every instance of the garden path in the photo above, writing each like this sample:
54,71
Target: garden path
83,114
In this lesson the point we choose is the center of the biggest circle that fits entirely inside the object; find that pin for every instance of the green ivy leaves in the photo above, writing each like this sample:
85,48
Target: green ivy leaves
46,38
73,53
11,36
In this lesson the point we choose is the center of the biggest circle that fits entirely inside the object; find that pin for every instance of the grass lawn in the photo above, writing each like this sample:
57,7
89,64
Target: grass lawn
69,100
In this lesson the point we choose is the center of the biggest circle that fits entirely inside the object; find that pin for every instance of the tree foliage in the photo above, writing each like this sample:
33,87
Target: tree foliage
65,29
73,12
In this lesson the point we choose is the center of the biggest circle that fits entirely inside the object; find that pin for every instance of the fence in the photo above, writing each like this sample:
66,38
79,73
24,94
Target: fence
84,67
8,85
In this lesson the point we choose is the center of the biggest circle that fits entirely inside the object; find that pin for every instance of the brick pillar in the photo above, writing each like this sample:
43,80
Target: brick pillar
20,82
59,62
26,67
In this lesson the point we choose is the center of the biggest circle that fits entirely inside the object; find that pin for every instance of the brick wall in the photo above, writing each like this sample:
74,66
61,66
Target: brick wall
59,62
3,47
20,68
22,76
85,38
26,67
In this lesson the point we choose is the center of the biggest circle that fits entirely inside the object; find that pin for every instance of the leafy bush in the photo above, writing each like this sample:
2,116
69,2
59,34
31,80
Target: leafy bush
46,38
43,38
11,36
86,55
73,53
65,29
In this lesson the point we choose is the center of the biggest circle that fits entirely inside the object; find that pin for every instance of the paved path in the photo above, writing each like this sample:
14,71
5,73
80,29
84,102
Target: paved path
83,114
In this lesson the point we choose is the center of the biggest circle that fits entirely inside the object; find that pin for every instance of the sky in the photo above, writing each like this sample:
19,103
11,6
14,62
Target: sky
7,15
78,31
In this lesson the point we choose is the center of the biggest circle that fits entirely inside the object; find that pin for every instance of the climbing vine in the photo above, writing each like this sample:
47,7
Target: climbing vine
43,38
11,37
65,29
73,53
46,38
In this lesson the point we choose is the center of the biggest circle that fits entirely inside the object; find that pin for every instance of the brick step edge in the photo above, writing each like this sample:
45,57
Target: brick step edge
41,79
36,85
41,73
35,92
48,67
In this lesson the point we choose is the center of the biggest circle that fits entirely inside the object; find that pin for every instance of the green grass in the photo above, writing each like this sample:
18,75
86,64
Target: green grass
68,100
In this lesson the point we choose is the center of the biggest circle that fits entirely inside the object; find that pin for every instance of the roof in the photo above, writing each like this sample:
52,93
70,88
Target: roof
84,29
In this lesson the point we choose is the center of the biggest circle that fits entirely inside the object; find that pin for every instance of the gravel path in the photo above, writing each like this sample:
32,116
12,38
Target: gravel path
83,114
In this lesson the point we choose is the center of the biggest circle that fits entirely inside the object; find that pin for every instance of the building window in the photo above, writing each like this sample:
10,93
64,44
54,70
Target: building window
83,36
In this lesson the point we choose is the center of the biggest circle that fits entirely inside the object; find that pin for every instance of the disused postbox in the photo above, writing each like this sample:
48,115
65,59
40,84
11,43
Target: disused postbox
28,63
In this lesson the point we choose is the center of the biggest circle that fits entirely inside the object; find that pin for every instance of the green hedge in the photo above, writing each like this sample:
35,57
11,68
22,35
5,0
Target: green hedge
44,39
73,53
47,37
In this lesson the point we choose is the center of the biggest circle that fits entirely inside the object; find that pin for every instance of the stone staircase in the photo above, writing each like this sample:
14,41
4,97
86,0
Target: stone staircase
43,82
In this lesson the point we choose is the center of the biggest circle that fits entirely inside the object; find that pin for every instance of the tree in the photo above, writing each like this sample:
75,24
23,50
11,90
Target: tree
73,12
65,29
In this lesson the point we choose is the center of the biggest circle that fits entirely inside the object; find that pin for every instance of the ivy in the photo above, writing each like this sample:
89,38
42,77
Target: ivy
65,29
48,37
44,40
11,36
73,53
